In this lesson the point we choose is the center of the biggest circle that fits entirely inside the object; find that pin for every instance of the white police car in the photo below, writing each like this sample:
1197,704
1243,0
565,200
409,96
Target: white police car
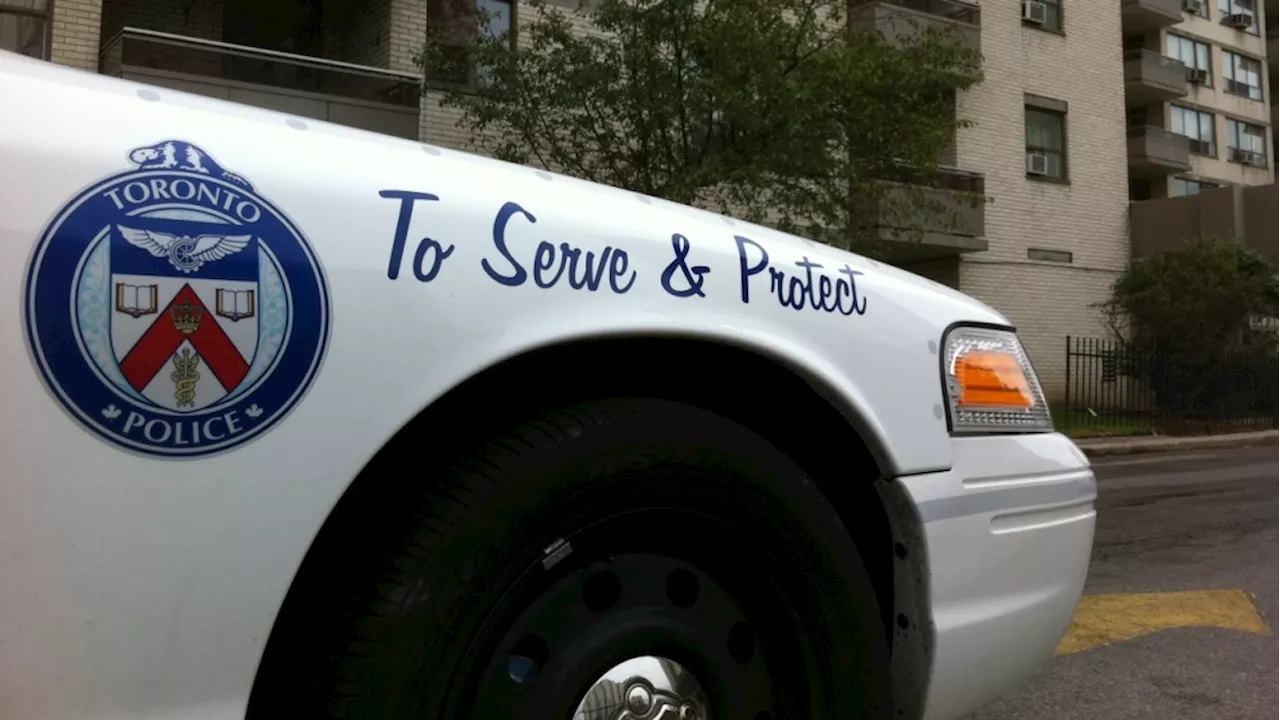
301,421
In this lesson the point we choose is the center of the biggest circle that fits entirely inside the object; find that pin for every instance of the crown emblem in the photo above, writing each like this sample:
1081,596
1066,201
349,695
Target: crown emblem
186,317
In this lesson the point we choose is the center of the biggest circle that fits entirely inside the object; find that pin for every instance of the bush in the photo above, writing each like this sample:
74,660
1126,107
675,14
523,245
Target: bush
1189,321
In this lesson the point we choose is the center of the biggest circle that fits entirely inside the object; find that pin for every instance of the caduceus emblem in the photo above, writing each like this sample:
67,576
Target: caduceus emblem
185,377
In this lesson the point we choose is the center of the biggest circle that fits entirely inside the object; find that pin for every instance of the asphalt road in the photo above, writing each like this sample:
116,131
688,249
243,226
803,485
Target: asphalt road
1204,521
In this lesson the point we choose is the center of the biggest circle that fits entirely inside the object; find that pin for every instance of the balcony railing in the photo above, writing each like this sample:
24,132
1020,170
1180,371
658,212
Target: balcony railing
1156,151
345,93
1150,77
943,215
901,19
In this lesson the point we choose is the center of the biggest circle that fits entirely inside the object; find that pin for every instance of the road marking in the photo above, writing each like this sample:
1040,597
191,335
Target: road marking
1107,619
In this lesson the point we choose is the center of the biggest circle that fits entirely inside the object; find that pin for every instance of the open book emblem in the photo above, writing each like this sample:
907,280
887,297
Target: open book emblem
136,300
235,305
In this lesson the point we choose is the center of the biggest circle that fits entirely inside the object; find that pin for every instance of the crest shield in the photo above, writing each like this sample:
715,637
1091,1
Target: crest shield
173,309
184,321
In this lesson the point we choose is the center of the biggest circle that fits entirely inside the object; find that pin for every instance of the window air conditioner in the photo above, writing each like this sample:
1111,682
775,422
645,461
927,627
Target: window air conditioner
1198,76
1037,163
1242,21
1035,12
1195,7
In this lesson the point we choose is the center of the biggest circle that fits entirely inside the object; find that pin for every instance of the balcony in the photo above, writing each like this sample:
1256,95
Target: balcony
897,20
1150,77
354,95
1139,17
1246,212
945,219
1156,151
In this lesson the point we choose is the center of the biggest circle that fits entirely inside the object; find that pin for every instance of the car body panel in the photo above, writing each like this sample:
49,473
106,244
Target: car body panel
1002,542
137,585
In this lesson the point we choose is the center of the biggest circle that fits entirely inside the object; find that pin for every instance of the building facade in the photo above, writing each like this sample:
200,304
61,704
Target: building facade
1200,82
1051,144
1197,97
1084,108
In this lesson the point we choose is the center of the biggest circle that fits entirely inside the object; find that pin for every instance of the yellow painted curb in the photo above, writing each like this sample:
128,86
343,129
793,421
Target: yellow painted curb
1107,619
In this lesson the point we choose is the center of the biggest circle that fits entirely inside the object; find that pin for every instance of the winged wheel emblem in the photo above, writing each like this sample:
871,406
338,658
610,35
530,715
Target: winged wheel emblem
184,252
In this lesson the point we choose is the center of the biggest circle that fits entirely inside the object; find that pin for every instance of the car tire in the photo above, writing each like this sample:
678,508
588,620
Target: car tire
504,583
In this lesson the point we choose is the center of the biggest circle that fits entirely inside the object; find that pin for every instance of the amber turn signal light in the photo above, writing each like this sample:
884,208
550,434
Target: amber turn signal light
991,378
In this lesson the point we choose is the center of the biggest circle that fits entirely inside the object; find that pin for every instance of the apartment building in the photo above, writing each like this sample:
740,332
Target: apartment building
1196,95
1049,146
1199,87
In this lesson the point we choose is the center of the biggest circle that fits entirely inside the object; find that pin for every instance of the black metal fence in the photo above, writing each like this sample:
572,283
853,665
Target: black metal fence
1114,387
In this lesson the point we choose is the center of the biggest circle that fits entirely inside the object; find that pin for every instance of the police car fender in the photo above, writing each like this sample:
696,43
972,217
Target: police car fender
225,312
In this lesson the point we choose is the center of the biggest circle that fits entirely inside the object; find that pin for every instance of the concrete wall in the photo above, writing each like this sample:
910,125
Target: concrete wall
1165,223
1248,213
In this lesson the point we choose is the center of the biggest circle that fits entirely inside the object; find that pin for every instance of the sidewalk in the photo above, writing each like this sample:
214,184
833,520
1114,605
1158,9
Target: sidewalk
1094,447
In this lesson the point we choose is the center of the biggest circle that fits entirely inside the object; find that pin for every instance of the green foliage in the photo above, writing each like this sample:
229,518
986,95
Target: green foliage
778,111
1198,300
1190,322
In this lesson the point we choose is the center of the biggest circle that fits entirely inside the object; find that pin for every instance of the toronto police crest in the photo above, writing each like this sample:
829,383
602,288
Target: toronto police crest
173,310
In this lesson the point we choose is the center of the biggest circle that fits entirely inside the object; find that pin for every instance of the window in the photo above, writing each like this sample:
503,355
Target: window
1243,75
1229,11
1246,143
1196,125
1046,143
1187,186
1052,14
1195,55
24,27
453,23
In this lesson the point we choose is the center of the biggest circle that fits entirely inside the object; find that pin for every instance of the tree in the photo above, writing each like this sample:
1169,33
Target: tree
778,111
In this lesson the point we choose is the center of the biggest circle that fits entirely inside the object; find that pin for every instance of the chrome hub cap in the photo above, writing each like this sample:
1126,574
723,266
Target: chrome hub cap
645,688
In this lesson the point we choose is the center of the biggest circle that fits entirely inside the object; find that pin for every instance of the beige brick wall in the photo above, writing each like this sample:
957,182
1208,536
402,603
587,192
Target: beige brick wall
408,22
76,28
1087,217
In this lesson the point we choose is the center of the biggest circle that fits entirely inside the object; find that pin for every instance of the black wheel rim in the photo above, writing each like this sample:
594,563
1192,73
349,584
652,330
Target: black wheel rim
663,584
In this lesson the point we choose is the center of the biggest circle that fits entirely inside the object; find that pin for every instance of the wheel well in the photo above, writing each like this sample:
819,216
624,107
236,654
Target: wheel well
753,390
